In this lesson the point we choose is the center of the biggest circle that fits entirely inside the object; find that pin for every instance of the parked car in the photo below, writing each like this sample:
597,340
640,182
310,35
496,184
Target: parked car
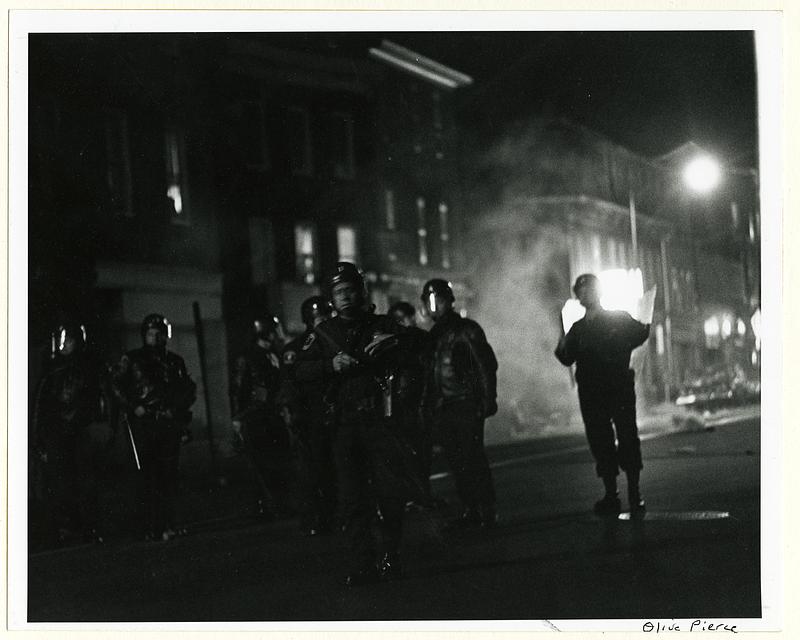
719,387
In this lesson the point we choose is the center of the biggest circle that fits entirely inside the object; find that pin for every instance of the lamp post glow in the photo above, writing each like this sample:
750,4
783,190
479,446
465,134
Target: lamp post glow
702,174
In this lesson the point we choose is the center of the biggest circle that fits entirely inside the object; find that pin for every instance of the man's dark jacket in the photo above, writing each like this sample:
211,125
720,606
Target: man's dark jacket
463,364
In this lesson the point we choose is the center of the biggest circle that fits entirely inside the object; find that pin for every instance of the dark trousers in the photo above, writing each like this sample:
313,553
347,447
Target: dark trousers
268,447
461,430
604,404
72,474
158,444
369,467
316,475
416,435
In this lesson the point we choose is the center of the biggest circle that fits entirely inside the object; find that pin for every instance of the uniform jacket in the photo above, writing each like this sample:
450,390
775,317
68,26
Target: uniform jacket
155,379
303,395
462,364
68,397
602,346
254,381
359,387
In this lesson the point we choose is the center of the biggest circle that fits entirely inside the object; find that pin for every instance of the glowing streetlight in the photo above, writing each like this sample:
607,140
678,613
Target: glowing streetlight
702,174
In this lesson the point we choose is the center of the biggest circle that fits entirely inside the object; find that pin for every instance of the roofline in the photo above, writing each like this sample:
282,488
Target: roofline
420,66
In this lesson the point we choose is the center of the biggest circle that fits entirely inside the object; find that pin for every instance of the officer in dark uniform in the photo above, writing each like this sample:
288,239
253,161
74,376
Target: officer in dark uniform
462,392
68,400
601,344
306,414
351,354
156,394
254,385
408,385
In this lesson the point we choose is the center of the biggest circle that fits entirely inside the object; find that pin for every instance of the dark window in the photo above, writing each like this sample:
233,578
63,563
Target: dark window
299,130
343,150
254,141
118,164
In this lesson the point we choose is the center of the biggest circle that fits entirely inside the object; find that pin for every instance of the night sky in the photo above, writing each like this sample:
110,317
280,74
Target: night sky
649,91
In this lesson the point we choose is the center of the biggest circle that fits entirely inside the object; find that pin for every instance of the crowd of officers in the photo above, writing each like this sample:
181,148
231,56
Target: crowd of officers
359,396
355,400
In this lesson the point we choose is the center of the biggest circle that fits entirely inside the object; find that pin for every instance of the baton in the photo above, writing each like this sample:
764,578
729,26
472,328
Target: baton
133,443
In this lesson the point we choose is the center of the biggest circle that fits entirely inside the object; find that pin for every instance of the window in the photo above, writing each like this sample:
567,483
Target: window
176,191
347,244
253,134
437,110
391,220
444,234
299,128
422,232
343,151
118,164
305,252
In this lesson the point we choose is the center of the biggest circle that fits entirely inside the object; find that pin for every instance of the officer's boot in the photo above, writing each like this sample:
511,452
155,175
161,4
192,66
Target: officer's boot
635,500
609,505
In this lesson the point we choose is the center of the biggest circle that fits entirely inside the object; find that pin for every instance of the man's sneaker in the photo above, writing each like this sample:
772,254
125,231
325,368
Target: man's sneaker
608,506
367,575
637,506
389,567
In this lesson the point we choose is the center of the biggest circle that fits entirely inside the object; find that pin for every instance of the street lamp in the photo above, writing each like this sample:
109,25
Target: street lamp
702,174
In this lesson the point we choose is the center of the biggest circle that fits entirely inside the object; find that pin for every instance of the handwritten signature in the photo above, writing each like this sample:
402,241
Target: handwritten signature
695,625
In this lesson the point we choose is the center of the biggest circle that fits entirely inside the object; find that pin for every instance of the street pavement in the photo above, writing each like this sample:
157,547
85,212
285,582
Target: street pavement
695,554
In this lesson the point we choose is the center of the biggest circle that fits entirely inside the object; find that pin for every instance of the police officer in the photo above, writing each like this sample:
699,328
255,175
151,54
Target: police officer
156,394
601,344
408,385
68,399
462,392
306,414
254,385
349,354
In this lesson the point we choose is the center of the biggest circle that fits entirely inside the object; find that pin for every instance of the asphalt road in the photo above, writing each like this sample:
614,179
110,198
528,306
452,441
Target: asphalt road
696,553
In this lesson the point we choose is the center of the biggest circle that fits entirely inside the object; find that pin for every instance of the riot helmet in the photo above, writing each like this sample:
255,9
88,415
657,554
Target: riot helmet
347,302
437,296
267,327
346,272
314,310
68,338
156,330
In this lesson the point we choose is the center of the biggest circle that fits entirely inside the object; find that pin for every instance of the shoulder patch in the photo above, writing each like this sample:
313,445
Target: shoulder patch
289,357
309,341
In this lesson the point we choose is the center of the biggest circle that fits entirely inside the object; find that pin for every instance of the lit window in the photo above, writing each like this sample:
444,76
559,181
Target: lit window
176,192
299,127
305,250
422,232
346,242
444,234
